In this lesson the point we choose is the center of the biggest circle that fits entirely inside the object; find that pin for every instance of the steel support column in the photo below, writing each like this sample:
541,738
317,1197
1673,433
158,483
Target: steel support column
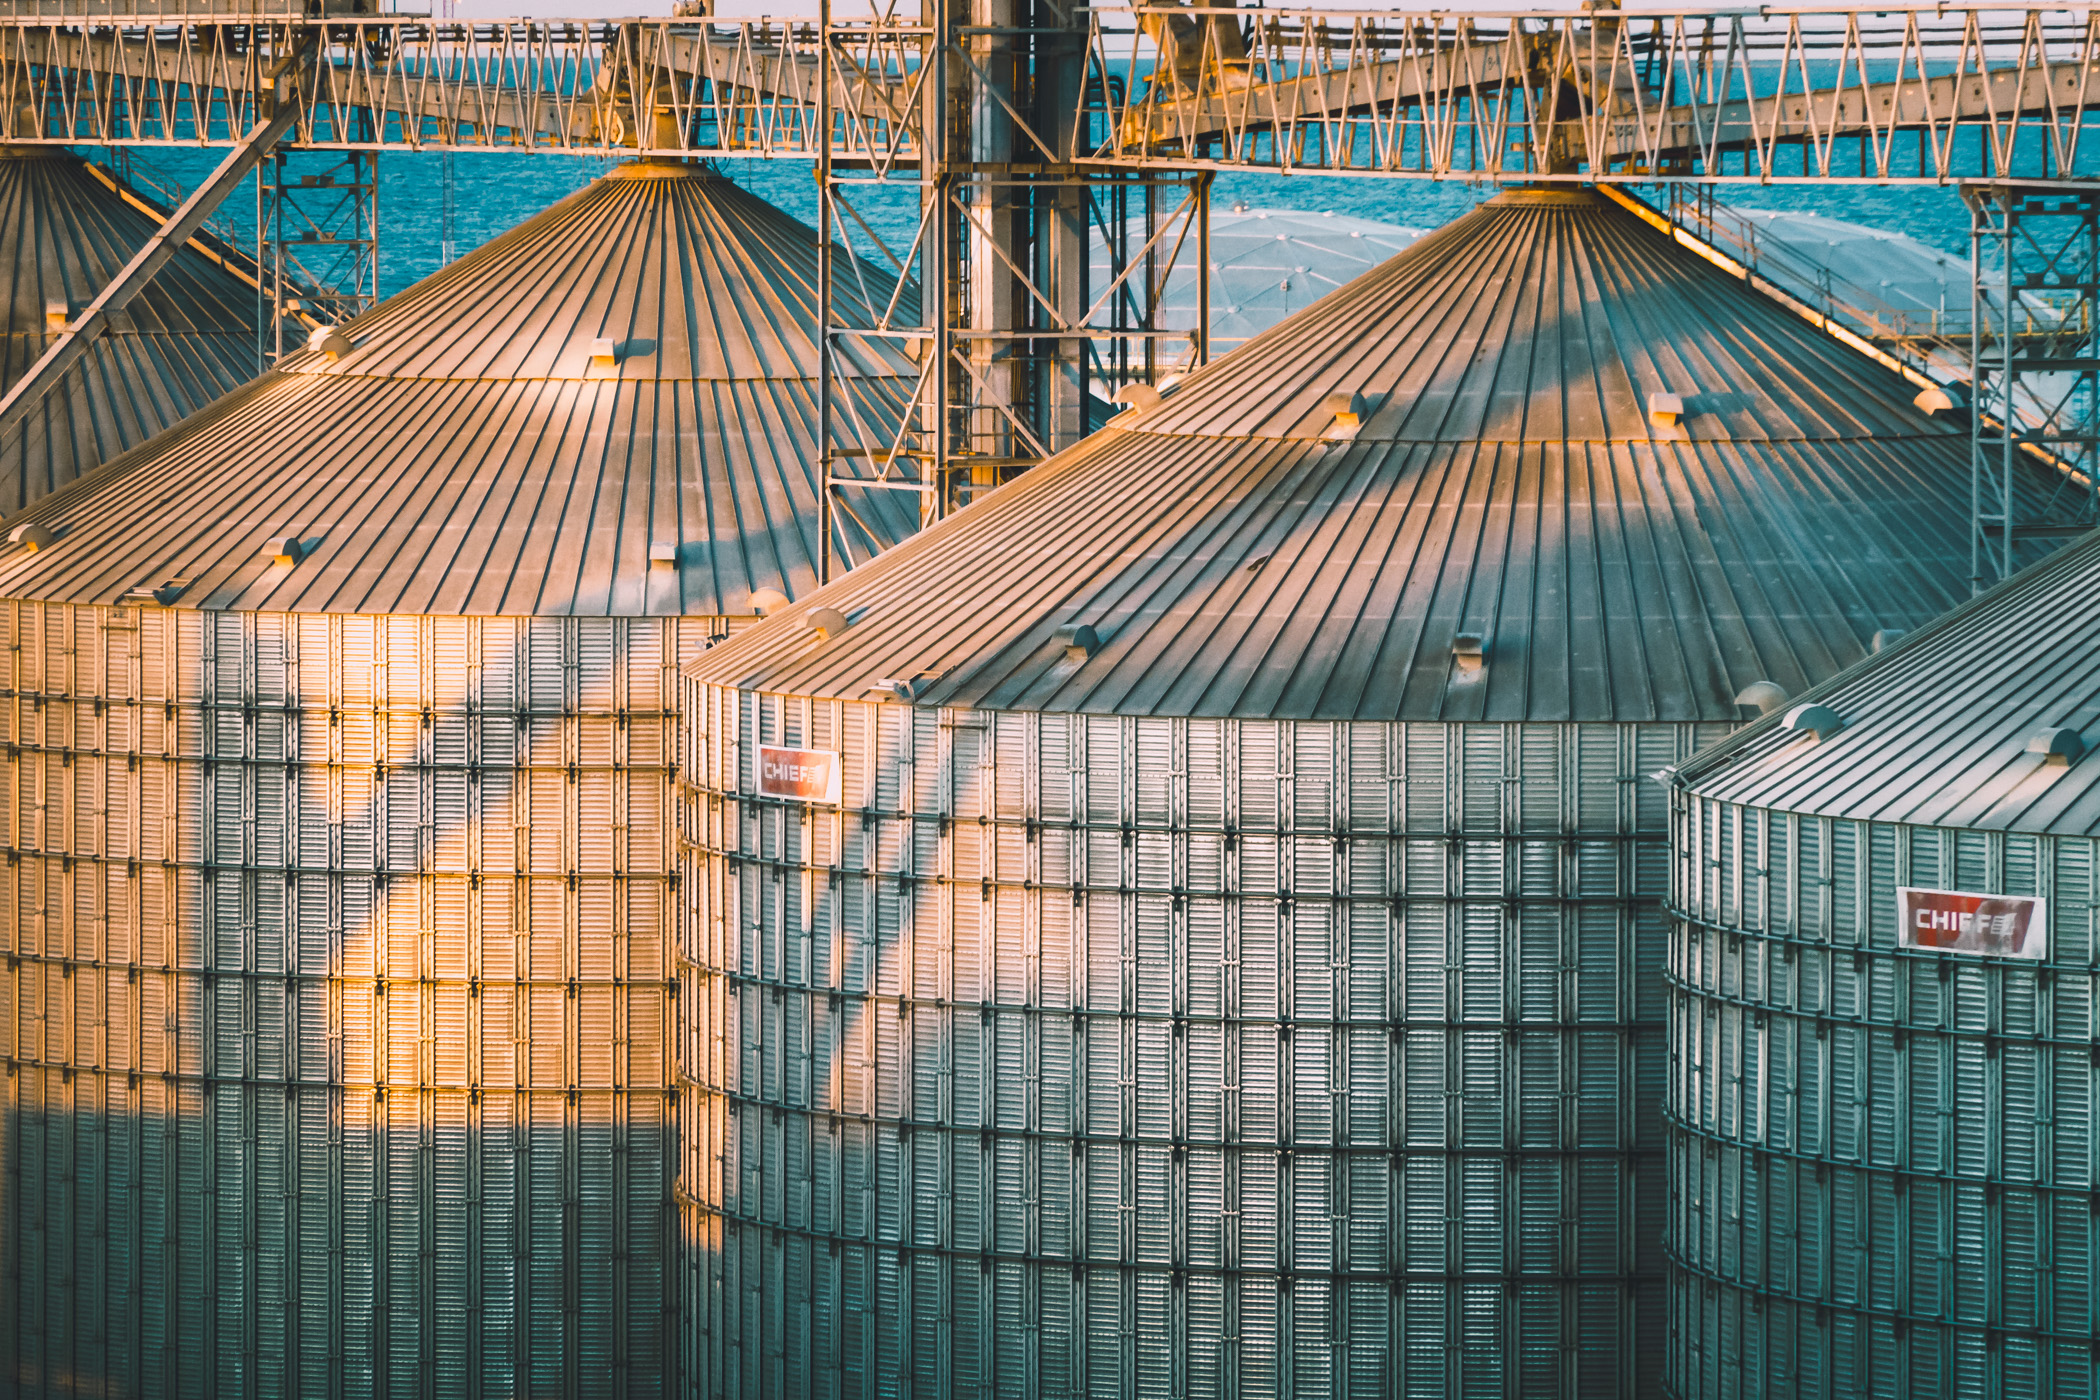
2034,370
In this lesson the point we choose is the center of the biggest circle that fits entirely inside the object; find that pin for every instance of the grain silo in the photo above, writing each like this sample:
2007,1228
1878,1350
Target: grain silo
186,338
1884,1179
1192,923
339,816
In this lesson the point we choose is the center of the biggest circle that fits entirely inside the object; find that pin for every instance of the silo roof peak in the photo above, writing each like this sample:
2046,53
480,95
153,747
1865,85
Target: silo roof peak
1503,479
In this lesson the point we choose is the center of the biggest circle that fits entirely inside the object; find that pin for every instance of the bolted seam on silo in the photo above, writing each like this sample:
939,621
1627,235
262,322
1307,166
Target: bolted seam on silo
1259,1054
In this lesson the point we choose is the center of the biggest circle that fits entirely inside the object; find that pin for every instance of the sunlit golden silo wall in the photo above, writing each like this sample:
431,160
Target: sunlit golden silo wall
337,993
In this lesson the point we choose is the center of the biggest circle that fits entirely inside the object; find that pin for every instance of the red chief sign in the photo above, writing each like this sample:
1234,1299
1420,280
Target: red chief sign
2003,925
806,775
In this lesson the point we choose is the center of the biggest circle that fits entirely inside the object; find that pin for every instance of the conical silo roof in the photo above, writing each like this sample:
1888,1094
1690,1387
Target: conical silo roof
631,369
1233,553
1954,726
188,337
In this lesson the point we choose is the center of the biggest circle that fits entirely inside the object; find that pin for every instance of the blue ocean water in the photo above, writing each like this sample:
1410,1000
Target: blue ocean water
495,191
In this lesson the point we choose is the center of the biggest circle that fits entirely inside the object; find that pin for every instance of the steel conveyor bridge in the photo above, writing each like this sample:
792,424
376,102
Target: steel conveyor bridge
1026,129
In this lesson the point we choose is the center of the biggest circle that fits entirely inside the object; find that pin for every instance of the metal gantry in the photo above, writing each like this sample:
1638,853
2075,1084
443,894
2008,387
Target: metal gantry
1020,353
1015,131
318,233
2034,369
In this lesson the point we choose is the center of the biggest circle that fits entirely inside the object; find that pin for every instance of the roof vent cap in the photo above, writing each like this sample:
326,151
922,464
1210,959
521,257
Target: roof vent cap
1886,638
1665,409
1347,409
605,351
1079,641
56,314
824,623
2061,747
1469,654
1767,696
1137,396
1932,399
34,536
1819,720
663,554
168,591
766,601
285,549
890,688
329,341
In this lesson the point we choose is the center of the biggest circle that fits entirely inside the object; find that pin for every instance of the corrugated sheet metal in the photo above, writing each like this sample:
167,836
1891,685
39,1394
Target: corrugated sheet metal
338,987
336,1003
468,456
1507,481
1112,1055
1882,1161
1936,731
187,338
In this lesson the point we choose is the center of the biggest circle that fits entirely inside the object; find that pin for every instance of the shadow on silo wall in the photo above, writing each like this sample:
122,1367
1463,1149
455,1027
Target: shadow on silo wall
168,1238
333,1018
1034,1069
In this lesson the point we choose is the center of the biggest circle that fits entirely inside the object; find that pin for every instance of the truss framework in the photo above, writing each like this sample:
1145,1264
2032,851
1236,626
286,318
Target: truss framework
2034,367
1925,95
1024,129
318,234
1018,354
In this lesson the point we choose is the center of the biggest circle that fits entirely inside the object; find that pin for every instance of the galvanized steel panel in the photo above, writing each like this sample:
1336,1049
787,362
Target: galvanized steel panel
337,1003
1237,552
1098,1054
1882,1164
186,338
1936,731
471,454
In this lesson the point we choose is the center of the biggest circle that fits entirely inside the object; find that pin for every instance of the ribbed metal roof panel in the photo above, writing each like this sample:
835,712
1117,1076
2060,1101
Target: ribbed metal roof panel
1936,730
690,276
1507,483
186,338
1546,316
467,456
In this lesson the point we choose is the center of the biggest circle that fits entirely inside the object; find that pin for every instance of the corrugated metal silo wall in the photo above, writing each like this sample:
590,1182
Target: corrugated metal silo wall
336,1004
1096,1055
1881,1160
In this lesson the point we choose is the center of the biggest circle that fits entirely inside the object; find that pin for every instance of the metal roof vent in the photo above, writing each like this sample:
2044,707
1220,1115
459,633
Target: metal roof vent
766,601
1348,411
1932,399
605,351
1468,655
329,341
2060,747
33,536
890,688
1767,696
824,623
1819,720
663,555
1138,396
1886,638
56,314
1079,641
285,549
1665,409
168,591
